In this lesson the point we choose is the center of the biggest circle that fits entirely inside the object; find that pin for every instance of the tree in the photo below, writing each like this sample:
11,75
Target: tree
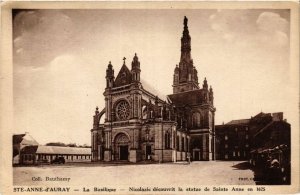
55,144
72,145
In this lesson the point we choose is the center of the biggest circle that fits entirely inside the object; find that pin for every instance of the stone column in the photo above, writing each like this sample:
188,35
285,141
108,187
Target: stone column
204,147
210,147
108,146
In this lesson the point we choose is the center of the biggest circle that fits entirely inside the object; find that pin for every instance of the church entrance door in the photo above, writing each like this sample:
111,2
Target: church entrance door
123,153
197,155
148,152
121,147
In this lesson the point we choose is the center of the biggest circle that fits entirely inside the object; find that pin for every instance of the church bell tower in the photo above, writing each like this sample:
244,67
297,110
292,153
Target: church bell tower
185,75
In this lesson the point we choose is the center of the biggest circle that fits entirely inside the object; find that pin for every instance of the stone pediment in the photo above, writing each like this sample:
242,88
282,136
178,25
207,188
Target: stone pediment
124,77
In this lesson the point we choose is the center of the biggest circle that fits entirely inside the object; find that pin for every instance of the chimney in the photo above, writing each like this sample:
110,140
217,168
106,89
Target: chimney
277,116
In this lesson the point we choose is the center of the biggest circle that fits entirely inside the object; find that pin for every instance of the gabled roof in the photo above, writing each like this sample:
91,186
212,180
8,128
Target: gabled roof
17,139
187,98
25,139
124,77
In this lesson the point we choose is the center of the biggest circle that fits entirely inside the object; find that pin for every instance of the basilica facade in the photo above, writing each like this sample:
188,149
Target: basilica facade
139,125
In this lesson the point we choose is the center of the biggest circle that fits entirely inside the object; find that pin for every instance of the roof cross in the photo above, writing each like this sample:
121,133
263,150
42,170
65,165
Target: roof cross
124,60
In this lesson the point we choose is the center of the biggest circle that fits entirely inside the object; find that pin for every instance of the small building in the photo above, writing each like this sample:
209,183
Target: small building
21,141
274,134
27,151
45,154
235,139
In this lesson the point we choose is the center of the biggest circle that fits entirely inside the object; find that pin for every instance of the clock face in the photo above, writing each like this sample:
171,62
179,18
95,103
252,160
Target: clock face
122,110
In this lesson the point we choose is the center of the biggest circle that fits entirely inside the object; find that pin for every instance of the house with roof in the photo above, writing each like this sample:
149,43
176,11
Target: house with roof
27,151
236,139
33,155
20,141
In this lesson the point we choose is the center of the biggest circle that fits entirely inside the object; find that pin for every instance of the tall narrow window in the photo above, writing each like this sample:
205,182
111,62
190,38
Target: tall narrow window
196,119
177,143
167,140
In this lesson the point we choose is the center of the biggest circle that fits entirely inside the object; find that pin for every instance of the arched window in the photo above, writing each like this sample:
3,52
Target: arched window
210,120
123,110
144,112
177,143
196,119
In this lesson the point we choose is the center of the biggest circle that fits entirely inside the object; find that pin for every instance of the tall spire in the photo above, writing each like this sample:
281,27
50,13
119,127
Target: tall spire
186,75
185,42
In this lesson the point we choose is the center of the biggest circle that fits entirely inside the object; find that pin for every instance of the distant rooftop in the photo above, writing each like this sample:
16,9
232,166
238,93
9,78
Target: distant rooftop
24,138
40,149
192,97
239,121
276,116
155,92
62,150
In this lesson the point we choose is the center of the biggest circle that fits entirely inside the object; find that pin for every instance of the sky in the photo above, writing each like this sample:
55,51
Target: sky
60,59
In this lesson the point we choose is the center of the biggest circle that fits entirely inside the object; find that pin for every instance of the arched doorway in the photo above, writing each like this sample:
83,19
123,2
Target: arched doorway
121,146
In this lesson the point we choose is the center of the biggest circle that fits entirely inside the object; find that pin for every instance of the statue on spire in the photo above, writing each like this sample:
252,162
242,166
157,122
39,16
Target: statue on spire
185,73
185,21
205,85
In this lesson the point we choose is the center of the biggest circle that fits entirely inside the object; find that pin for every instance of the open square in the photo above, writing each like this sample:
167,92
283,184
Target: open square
159,175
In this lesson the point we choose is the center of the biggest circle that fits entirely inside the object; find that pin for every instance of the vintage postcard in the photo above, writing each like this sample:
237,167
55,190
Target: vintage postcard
149,97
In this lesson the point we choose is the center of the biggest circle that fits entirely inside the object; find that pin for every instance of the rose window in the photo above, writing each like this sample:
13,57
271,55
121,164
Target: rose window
122,110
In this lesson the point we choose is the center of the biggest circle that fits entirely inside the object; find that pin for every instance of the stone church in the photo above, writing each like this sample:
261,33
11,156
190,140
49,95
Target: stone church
139,125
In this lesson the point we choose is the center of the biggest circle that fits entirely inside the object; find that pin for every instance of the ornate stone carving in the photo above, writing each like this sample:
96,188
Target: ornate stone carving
123,110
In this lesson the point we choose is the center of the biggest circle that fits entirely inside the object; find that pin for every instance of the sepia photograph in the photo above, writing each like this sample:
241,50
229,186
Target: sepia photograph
140,100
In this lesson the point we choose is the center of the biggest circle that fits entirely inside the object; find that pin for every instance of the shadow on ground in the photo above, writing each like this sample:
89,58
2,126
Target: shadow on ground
242,166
